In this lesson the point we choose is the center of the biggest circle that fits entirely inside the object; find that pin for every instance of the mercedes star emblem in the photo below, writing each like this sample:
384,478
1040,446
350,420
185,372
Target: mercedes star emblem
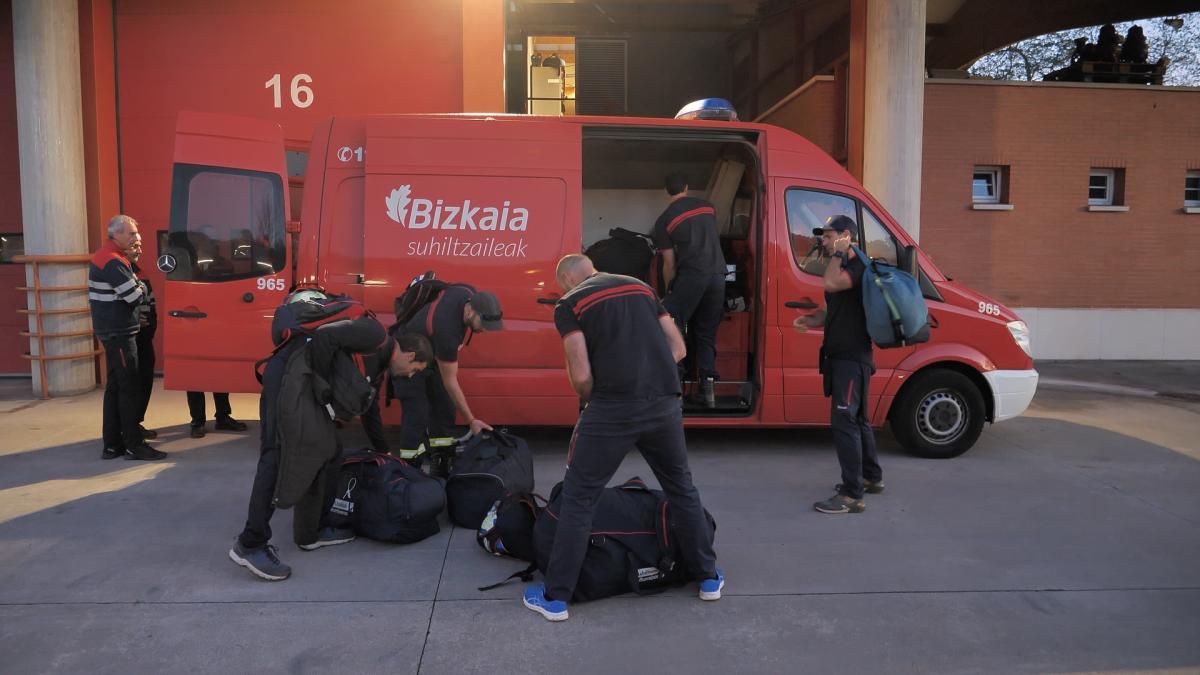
166,263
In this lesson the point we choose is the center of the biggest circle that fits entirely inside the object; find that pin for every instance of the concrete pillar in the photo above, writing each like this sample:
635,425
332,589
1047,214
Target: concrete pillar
894,102
53,195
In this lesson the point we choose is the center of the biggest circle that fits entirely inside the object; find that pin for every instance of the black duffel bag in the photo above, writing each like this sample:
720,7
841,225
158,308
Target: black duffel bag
492,464
633,545
387,499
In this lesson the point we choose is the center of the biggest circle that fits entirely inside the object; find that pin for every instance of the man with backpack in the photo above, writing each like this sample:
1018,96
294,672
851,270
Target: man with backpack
429,400
847,363
622,348
398,357
694,272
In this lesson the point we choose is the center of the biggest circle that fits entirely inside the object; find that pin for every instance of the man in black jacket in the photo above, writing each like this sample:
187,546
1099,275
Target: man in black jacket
366,336
114,293
847,363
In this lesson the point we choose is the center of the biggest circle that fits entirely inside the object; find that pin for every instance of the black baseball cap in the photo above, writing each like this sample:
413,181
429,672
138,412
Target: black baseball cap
837,224
487,306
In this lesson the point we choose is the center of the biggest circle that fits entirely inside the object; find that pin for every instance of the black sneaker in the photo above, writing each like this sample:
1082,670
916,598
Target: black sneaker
229,424
197,431
112,453
144,452
869,486
148,434
262,562
840,503
330,536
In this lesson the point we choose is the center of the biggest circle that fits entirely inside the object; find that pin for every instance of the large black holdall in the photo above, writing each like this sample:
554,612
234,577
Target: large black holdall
492,465
387,499
633,546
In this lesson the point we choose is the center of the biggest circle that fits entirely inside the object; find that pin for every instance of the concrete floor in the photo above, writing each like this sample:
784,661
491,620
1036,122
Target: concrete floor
1066,540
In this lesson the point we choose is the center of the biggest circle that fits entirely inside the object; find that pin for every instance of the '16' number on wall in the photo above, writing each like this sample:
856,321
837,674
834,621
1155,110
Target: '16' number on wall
302,94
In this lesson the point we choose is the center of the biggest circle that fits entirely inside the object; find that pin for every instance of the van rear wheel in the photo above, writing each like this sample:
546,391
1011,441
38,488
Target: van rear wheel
940,414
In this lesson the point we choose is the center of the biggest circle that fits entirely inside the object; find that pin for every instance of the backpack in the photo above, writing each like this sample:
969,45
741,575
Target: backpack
897,315
624,252
301,313
507,529
421,291
492,465
386,499
633,546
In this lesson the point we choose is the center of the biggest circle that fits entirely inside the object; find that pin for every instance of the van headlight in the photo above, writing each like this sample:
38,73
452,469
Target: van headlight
1020,335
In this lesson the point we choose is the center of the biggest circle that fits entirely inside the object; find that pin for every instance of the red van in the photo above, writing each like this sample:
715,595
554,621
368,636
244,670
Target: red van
496,200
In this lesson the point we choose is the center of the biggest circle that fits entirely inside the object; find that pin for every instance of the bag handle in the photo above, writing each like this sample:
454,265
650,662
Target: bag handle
525,575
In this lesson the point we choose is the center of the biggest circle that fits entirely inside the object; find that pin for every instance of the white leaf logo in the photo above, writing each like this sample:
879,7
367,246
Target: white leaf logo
397,203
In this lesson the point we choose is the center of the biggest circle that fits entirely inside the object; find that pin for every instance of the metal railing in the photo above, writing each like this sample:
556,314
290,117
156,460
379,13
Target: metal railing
35,262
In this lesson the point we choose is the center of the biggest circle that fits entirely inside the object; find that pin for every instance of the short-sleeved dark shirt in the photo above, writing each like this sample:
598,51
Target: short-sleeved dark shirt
846,334
442,322
627,350
689,225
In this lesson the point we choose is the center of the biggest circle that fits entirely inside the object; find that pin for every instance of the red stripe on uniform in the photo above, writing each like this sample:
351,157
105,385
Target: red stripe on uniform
688,214
429,319
607,293
624,294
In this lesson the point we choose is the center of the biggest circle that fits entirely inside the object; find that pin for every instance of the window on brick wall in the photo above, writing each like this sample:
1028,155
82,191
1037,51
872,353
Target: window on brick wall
986,184
1191,189
1106,187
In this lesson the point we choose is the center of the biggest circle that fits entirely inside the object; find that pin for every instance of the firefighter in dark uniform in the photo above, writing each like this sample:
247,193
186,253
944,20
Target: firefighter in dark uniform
622,348
847,364
114,294
429,401
694,271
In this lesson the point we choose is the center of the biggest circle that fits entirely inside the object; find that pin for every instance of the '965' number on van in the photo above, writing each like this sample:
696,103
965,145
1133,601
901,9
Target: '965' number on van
989,308
265,284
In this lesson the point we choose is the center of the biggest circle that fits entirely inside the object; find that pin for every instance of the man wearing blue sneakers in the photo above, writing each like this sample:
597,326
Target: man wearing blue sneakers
622,349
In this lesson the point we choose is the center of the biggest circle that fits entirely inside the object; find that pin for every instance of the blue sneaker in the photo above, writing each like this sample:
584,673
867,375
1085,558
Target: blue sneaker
535,599
710,589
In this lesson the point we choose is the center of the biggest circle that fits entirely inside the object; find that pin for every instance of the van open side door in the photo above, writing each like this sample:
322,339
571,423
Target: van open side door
226,259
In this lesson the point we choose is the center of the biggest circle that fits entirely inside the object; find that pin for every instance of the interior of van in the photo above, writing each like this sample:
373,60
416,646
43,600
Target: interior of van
623,195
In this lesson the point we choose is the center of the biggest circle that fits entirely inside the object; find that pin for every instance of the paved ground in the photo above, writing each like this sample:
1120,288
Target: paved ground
1067,540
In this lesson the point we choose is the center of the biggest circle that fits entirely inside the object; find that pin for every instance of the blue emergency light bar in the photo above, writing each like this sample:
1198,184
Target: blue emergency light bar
708,109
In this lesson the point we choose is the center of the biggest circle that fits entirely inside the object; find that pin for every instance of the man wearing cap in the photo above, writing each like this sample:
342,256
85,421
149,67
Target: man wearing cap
847,364
428,401
694,271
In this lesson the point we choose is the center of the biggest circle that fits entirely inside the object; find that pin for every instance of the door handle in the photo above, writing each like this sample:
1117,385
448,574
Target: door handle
548,301
187,315
792,304
933,322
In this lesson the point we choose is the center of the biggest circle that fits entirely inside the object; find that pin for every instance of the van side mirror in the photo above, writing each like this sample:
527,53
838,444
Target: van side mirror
908,260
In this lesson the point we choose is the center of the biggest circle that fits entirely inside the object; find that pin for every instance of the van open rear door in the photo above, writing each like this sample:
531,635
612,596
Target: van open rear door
226,258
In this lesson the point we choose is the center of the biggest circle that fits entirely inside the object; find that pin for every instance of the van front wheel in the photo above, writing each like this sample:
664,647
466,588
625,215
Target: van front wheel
940,414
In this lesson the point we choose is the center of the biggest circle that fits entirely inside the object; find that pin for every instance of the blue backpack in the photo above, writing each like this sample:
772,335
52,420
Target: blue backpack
895,306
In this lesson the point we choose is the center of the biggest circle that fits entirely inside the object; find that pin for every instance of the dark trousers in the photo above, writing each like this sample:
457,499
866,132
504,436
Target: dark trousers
603,436
697,301
145,347
123,393
425,407
852,433
310,510
195,400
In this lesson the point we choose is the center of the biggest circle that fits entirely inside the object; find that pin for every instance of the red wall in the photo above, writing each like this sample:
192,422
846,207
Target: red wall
12,345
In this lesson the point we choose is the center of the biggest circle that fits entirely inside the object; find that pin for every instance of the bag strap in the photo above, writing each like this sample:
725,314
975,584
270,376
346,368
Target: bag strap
525,575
